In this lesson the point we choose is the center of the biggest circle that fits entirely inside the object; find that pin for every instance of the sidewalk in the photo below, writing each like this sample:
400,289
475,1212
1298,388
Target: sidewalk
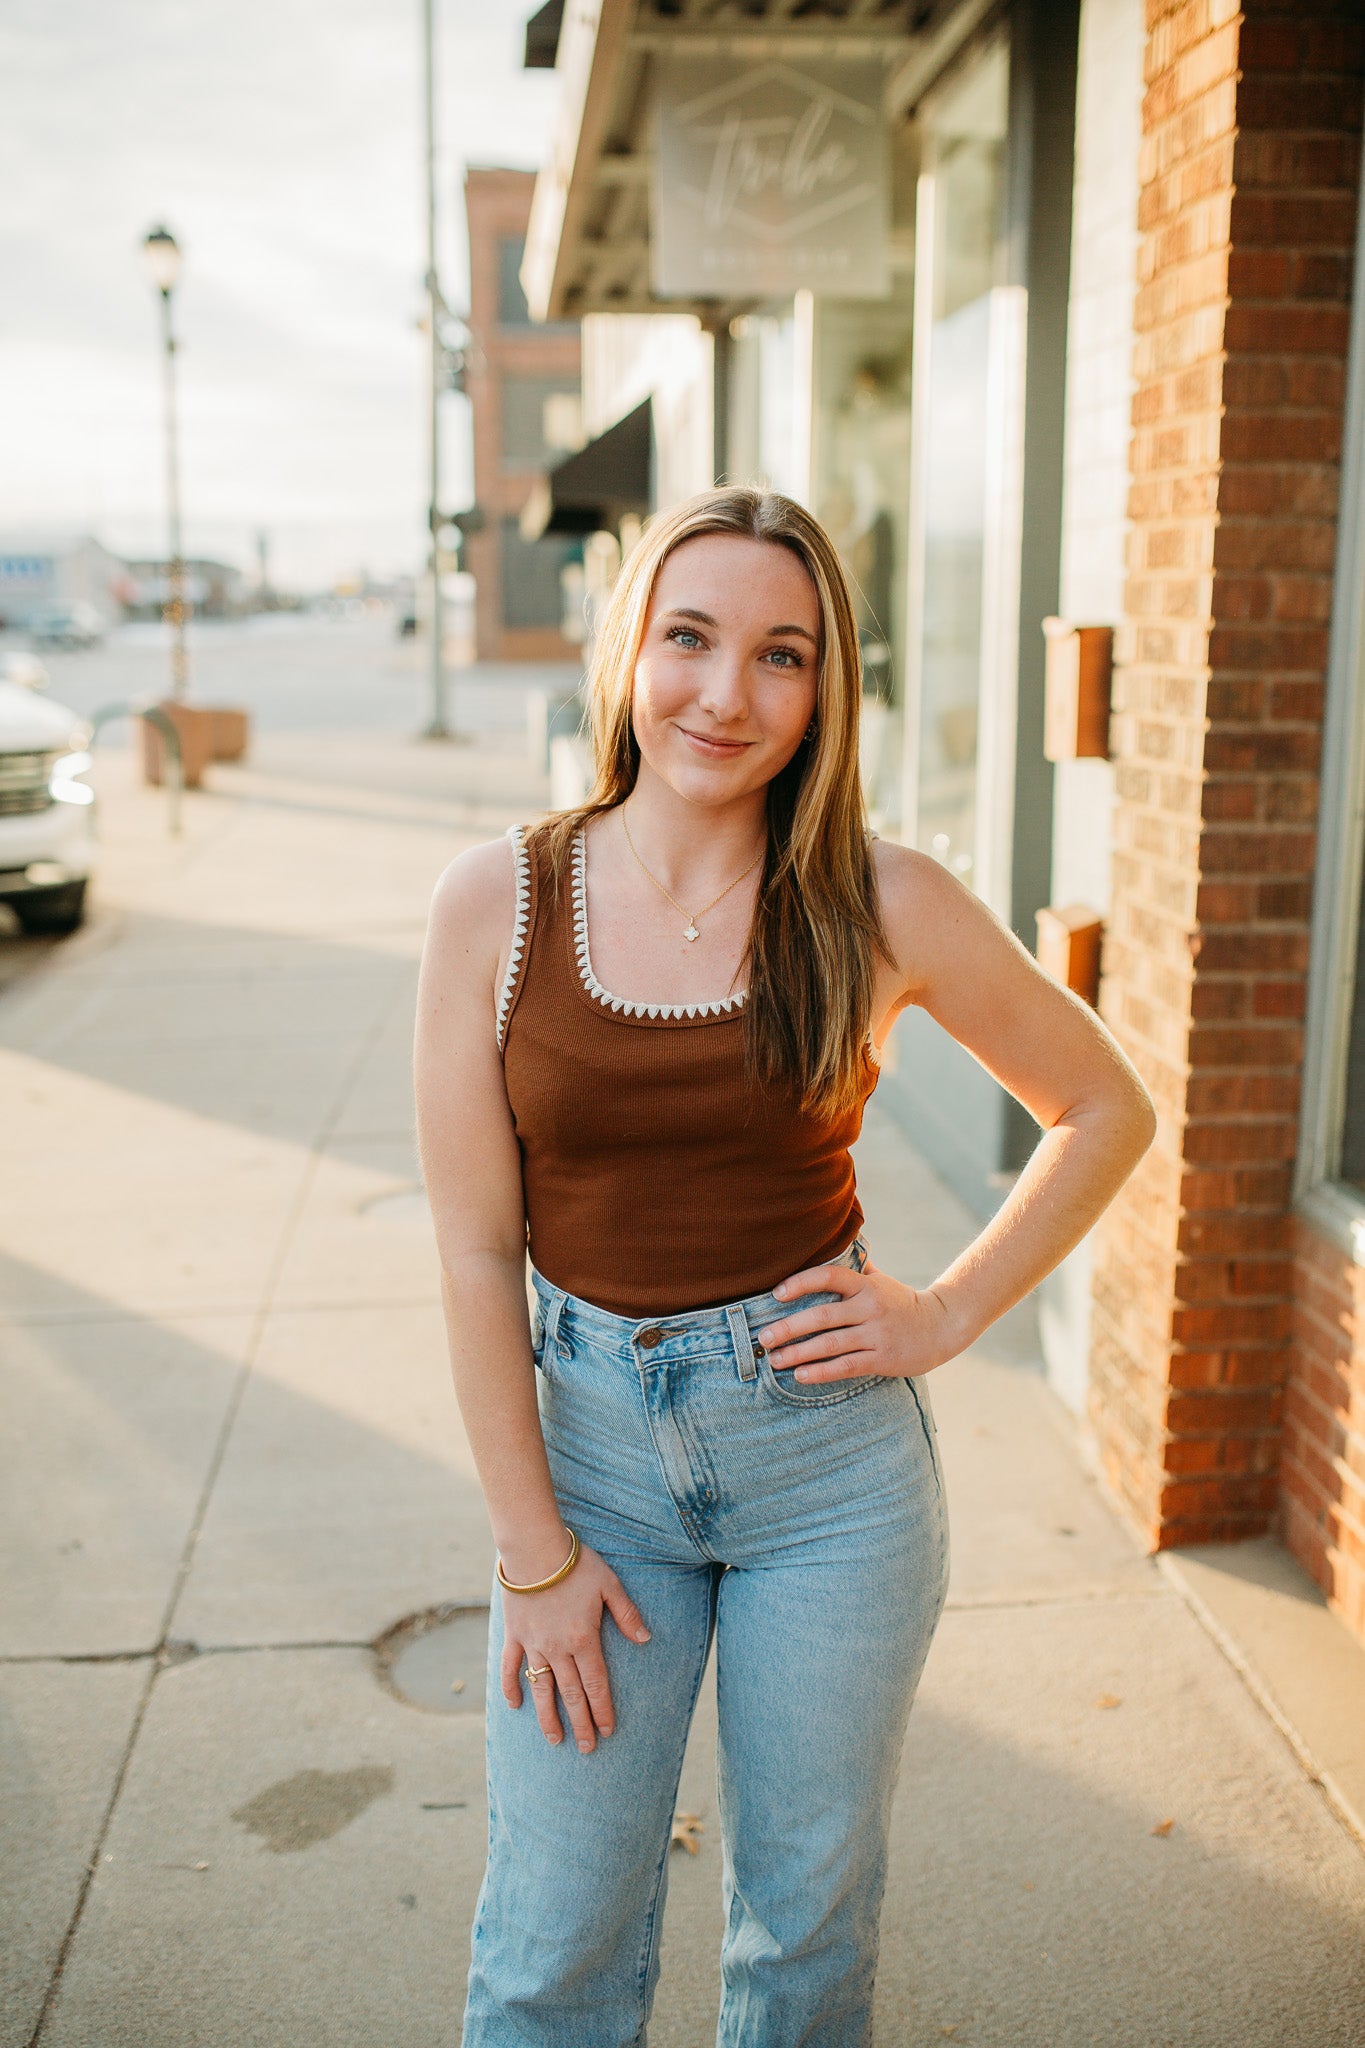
233,1463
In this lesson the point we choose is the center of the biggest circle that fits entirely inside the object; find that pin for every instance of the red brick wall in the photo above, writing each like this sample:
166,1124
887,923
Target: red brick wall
1251,126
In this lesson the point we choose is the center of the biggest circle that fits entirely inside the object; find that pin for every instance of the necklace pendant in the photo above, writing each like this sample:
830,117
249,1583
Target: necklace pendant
690,931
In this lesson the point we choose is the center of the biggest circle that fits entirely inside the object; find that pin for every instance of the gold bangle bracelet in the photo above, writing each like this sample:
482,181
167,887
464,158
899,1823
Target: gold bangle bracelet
540,1585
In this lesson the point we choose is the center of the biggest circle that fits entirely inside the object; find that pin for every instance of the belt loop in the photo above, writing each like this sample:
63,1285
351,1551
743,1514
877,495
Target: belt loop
552,1315
742,1341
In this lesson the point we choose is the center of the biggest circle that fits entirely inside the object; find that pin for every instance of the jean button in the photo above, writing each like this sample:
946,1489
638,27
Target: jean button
652,1336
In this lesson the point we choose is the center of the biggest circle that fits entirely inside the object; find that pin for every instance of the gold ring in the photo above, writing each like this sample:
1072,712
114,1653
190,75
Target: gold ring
536,1670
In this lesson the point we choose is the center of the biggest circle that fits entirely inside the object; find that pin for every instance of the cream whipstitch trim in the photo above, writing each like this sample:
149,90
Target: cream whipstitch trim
521,860
719,1008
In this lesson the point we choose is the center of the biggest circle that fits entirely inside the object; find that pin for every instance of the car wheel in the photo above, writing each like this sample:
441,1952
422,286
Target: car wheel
50,913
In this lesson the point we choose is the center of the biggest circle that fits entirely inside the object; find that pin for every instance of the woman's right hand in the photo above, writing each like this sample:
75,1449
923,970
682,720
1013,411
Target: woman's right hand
562,1627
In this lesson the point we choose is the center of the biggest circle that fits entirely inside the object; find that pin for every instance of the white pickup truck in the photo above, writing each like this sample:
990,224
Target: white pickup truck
47,814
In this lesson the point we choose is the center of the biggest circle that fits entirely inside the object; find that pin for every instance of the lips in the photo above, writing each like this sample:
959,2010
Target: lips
715,746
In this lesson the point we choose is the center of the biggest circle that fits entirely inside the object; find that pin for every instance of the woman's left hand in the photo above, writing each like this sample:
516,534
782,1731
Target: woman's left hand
877,1326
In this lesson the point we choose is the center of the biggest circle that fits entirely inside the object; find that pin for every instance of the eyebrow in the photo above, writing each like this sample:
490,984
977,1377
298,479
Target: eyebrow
683,611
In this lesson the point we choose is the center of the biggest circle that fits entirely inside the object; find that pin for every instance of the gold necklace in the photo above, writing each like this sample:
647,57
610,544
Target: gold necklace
690,930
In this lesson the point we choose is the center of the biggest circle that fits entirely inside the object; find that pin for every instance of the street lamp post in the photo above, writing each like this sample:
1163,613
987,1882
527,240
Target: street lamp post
162,254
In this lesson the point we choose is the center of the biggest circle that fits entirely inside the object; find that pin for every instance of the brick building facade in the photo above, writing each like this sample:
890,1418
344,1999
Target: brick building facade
1227,1388
523,383
1163,382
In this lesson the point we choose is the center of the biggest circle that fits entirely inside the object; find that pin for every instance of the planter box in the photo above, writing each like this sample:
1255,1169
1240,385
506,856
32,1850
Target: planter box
208,732
231,732
194,725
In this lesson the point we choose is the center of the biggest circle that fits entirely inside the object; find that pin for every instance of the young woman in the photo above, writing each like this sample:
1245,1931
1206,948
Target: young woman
647,1029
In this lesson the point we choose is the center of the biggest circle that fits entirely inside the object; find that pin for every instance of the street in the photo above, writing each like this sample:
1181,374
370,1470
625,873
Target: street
240,1812
295,672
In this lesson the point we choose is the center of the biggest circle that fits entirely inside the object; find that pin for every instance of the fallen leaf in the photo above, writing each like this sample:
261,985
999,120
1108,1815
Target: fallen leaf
949,2030
1109,1699
686,1833
457,1685
1026,1884
1163,1827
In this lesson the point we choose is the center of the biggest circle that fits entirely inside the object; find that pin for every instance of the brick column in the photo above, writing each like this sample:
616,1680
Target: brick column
1251,150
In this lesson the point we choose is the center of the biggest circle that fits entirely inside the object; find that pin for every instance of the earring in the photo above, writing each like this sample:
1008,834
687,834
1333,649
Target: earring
810,732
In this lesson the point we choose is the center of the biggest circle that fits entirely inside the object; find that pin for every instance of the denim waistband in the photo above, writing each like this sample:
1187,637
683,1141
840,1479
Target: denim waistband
660,1340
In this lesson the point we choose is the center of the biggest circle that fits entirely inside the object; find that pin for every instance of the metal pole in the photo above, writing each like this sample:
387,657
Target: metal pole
175,608
438,728
172,756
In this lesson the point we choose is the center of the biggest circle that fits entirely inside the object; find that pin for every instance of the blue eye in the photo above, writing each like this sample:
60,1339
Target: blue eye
679,634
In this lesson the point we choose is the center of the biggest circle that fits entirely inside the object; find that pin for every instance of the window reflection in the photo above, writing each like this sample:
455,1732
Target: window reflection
764,401
960,335
861,462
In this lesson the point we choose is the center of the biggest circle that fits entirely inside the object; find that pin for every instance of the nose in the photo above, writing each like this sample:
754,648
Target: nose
723,694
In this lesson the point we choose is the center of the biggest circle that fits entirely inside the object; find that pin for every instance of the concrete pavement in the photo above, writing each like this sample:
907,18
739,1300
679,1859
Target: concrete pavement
232,1463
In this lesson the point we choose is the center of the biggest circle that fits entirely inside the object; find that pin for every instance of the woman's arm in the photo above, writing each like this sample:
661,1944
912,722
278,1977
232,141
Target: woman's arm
471,1163
1054,1055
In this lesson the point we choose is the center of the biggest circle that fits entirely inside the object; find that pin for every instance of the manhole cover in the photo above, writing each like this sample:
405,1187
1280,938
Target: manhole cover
401,1205
435,1660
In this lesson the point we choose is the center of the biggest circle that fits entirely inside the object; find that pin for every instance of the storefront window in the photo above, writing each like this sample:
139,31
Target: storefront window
1331,1157
512,311
532,407
861,466
820,410
960,491
766,403
532,572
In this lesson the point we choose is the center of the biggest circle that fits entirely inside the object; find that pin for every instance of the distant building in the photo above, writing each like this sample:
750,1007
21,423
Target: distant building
53,571
523,384
213,590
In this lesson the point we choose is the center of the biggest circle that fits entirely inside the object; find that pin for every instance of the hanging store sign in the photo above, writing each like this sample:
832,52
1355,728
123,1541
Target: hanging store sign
769,178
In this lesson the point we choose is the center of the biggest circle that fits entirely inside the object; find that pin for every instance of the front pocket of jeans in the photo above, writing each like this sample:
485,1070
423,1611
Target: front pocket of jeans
925,1410
783,1386
538,1339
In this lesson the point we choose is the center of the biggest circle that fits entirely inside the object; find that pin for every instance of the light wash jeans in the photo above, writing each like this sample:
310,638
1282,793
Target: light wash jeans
804,1526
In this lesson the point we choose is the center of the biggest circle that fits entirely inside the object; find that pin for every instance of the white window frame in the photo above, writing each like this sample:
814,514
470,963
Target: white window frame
1335,1208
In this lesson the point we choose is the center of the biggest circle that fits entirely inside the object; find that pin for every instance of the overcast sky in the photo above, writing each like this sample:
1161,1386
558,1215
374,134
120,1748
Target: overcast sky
280,140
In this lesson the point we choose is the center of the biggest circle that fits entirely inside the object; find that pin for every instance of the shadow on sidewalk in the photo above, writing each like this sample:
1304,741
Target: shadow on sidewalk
249,1026
342,1495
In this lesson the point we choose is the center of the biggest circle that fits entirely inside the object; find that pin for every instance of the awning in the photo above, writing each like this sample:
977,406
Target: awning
588,243
542,36
591,491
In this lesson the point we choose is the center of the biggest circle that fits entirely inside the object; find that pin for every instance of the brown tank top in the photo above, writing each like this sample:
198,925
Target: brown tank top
656,1178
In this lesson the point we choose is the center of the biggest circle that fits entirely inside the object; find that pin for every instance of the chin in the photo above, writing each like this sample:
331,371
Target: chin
709,782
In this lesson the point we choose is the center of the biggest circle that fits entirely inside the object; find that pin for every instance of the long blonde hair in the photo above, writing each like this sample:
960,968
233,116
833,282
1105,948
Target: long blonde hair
817,923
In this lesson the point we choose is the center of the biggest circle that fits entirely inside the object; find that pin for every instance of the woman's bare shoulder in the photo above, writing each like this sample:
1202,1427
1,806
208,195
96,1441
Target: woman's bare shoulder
923,907
903,872
475,898
912,883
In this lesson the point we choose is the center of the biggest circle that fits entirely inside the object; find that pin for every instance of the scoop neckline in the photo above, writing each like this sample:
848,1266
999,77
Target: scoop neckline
717,1010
